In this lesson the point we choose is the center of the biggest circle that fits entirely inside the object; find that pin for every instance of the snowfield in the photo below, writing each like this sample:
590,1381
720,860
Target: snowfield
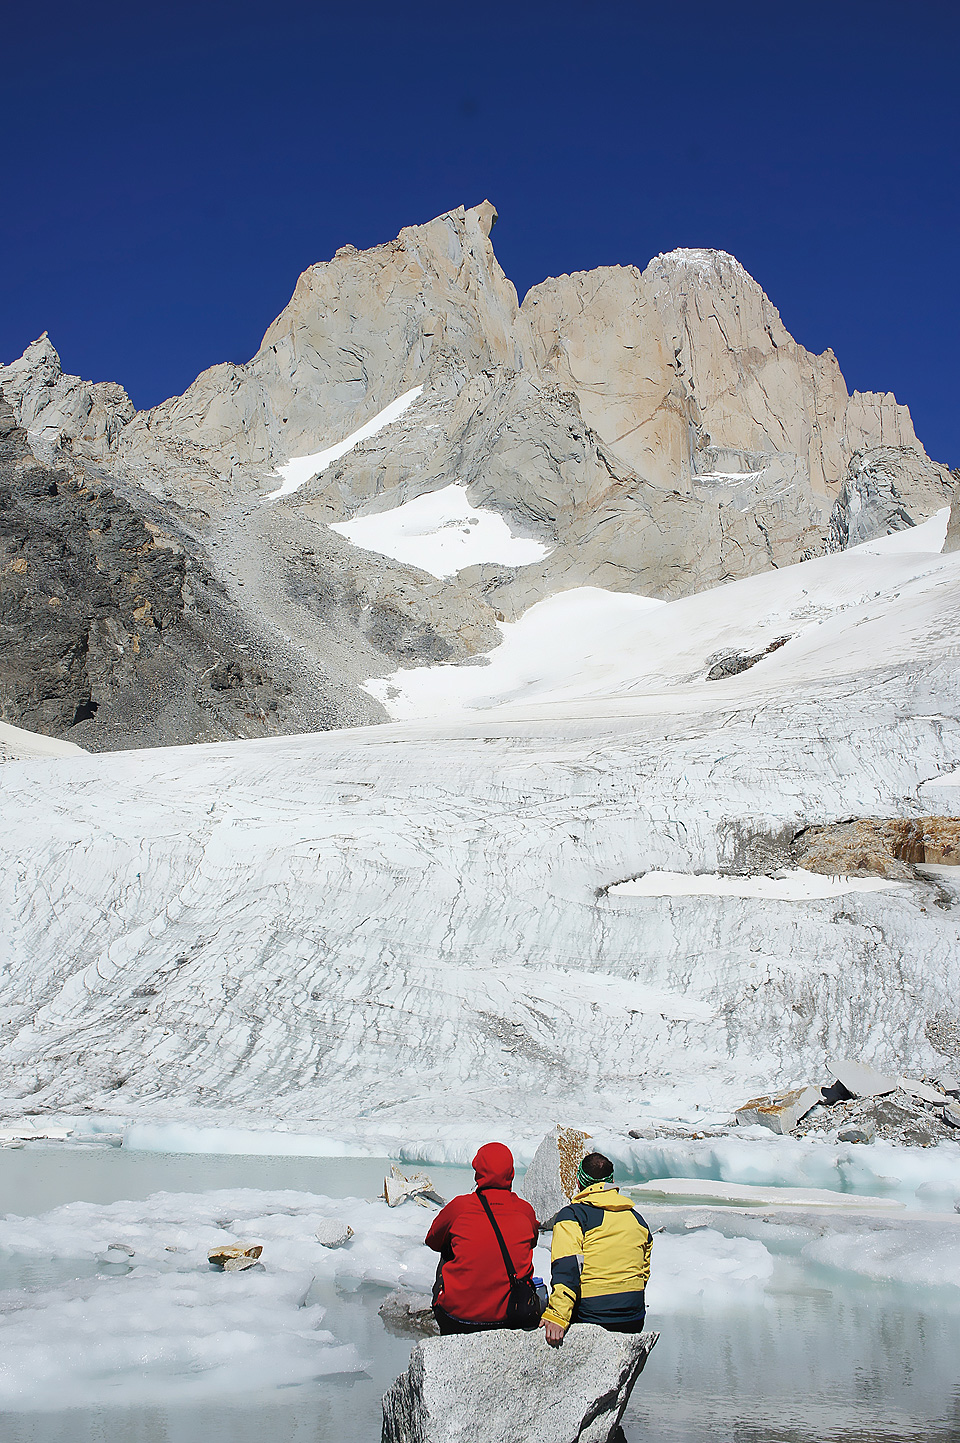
411,936
441,532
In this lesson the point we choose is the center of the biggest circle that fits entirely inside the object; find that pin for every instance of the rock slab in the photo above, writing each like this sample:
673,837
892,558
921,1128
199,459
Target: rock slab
860,1079
780,1111
551,1179
508,1387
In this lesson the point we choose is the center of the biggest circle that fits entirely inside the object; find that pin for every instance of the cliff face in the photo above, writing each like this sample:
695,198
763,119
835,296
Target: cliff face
688,373
657,432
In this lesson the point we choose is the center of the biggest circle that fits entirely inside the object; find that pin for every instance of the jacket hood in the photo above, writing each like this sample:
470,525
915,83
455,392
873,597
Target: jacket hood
602,1195
493,1165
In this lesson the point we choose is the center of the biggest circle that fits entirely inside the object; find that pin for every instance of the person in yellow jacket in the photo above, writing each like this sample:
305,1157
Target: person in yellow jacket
603,1227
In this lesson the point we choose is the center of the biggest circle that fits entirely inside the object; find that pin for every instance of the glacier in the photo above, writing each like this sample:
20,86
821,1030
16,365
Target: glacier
408,936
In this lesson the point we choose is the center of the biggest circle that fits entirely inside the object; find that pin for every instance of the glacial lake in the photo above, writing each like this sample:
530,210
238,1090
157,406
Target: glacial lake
811,1355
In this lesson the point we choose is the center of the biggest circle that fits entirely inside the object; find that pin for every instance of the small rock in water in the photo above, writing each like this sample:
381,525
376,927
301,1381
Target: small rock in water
781,1111
551,1179
333,1233
407,1313
861,1080
507,1386
234,1257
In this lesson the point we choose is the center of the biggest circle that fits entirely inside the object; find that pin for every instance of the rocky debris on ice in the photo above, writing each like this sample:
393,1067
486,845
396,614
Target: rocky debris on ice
781,1111
886,847
235,1258
551,1179
408,1313
333,1233
397,1189
732,662
862,1104
505,1386
859,1104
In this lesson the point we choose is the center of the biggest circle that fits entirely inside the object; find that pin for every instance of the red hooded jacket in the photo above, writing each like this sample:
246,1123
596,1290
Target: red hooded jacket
475,1285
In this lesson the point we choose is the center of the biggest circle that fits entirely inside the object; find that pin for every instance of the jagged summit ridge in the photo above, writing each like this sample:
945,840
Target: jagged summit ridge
655,431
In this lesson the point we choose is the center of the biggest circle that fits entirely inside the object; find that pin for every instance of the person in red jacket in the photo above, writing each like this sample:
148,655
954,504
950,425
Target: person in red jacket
472,1289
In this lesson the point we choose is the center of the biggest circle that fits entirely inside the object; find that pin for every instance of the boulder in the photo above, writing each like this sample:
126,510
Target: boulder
949,1083
781,1111
860,1079
333,1233
397,1189
506,1387
551,1179
857,1132
951,1114
923,1092
234,1258
408,1314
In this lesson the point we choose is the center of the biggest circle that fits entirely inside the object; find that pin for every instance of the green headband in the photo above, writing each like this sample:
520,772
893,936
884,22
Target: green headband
585,1180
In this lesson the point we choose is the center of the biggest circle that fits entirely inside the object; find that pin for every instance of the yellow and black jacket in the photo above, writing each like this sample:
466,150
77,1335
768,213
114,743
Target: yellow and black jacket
603,1228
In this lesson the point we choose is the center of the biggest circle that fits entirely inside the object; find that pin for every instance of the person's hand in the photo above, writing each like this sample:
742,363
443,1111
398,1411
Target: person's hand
553,1333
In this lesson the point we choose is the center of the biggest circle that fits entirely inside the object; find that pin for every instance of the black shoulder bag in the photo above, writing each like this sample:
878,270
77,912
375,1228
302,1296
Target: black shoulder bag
523,1304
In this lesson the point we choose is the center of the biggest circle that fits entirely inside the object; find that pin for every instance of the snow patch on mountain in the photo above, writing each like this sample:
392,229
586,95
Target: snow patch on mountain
867,607
302,468
440,532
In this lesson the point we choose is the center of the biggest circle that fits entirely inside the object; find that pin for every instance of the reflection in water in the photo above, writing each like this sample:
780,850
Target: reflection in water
820,1365
845,1363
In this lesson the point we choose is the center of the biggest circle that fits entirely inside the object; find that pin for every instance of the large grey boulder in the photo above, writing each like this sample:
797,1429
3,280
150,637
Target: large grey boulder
510,1387
551,1179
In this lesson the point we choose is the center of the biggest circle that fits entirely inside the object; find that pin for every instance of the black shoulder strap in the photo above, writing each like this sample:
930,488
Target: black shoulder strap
503,1247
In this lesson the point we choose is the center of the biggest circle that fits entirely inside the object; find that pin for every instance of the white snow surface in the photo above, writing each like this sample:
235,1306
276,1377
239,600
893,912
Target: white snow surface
874,601
440,532
15,744
303,468
794,885
403,938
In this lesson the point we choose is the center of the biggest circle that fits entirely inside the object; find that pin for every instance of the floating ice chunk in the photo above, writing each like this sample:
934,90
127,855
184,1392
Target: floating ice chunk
302,468
701,1190
158,1338
704,1268
914,1175
925,1255
441,533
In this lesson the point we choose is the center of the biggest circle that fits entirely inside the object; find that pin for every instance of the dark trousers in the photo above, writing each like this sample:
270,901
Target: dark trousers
449,1324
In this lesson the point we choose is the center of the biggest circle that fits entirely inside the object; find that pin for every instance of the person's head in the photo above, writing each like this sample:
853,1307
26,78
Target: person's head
493,1166
594,1168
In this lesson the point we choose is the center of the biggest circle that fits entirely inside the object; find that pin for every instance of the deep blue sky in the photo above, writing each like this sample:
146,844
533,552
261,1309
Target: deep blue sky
169,169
